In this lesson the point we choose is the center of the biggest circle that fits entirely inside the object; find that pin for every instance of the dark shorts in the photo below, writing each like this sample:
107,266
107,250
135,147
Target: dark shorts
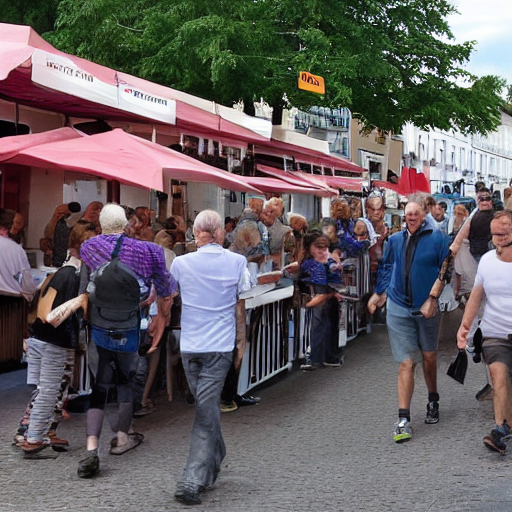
497,350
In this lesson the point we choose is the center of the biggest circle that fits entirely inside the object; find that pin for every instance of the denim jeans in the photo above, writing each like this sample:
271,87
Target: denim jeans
47,364
324,333
410,333
205,373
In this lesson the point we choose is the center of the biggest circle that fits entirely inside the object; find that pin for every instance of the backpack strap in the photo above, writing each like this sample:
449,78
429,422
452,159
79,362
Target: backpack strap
117,248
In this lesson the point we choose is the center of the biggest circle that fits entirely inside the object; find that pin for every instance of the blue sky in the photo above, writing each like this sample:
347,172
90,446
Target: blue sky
489,22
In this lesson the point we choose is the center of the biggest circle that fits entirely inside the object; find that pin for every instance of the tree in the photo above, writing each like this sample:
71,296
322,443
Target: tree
389,61
39,14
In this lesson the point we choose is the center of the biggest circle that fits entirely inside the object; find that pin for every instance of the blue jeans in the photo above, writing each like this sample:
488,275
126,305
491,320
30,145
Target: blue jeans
206,372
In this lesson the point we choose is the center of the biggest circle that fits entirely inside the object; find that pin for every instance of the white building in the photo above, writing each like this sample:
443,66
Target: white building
451,156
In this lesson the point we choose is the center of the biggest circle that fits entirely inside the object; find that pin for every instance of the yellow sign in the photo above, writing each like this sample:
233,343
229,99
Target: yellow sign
312,83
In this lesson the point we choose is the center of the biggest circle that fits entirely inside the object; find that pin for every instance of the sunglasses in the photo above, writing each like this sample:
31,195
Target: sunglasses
486,198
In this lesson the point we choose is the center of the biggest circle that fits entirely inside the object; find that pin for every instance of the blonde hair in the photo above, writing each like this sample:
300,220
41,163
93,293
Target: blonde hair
163,239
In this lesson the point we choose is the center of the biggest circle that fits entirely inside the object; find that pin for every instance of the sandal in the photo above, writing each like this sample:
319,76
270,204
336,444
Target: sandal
134,439
36,447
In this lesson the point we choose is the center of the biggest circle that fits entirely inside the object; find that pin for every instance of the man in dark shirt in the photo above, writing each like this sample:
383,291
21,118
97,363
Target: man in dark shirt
477,228
61,234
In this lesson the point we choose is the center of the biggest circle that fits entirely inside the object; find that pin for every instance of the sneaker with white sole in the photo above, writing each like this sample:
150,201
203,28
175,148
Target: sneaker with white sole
432,413
402,430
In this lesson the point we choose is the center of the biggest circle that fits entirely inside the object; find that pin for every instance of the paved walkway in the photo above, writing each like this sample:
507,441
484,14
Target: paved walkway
318,441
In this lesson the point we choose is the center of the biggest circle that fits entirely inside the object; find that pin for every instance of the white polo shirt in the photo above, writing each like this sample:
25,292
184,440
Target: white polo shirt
210,281
15,276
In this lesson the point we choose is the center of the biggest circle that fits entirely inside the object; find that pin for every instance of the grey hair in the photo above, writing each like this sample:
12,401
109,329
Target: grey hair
419,199
112,219
208,221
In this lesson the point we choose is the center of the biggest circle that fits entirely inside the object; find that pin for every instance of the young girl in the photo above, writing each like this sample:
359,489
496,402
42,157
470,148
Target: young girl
49,350
317,271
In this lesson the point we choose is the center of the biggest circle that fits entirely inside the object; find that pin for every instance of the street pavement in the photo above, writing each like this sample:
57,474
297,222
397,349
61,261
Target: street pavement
317,441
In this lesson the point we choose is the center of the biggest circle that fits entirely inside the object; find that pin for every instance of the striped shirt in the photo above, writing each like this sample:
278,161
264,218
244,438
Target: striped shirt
146,259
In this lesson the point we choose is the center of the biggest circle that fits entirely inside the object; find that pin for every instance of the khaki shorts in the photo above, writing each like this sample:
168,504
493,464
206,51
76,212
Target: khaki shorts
497,350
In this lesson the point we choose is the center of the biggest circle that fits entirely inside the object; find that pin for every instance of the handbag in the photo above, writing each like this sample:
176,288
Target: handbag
458,367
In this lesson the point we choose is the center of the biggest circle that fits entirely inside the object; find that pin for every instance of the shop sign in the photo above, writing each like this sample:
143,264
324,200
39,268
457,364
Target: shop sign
312,83
62,74
145,104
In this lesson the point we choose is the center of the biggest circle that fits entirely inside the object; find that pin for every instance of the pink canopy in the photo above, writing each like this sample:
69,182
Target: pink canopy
345,183
120,156
315,179
270,185
11,146
34,73
307,155
288,176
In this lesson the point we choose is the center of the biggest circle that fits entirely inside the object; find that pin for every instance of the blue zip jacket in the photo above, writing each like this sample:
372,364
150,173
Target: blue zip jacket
410,290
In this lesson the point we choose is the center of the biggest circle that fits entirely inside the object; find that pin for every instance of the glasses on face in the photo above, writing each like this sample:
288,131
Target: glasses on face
485,198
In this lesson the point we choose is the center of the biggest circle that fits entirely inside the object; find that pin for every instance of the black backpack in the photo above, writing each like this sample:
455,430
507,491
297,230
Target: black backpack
114,295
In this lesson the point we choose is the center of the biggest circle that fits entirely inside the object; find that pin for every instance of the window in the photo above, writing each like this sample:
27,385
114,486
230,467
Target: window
8,129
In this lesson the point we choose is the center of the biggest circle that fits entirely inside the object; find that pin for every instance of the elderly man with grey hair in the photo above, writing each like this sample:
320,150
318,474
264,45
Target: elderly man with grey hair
410,265
209,281
115,367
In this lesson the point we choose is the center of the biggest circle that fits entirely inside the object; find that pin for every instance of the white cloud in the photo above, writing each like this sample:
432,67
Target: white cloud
488,22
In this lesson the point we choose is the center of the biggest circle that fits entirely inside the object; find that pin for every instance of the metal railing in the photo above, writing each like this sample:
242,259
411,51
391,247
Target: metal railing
267,351
278,332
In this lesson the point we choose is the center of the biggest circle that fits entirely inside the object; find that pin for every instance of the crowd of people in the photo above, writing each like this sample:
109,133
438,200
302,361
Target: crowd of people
158,283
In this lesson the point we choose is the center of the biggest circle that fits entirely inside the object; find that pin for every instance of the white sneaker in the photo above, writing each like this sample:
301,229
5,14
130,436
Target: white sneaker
402,431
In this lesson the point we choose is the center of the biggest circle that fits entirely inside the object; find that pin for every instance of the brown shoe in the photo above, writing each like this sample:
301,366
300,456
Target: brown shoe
55,440
31,448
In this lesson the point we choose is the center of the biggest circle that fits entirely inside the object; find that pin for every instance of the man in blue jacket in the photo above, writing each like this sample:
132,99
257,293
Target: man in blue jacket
410,265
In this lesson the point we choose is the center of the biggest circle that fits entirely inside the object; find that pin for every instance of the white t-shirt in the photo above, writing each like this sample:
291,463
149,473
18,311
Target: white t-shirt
15,276
210,280
496,278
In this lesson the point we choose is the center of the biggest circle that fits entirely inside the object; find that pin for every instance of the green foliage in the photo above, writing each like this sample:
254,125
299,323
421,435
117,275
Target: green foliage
39,14
389,61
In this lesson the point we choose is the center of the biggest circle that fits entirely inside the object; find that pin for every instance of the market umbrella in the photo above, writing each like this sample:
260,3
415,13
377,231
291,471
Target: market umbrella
124,157
458,367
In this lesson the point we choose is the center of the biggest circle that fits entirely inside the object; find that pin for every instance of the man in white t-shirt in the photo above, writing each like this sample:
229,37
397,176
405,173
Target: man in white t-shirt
15,277
209,281
493,279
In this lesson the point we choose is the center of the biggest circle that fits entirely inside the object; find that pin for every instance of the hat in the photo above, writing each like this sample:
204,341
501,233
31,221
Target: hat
74,207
